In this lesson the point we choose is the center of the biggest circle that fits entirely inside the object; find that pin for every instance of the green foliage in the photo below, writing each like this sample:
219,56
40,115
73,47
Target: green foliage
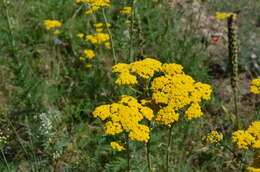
41,74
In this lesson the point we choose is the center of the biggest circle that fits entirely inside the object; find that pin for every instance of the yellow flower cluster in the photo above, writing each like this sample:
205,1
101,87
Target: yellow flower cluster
126,10
99,26
213,137
255,86
52,25
94,4
117,146
178,90
223,16
80,35
166,116
194,111
89,54
96,38
129,21
174,89
99,38
245,139
125,116
144,69
255,166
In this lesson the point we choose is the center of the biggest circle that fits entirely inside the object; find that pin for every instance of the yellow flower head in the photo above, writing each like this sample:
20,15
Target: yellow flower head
89,53
129,21
126,78
255,166
126,116
167,116
213,137
255,86
94,4
145,68
223,16
98,25
80,35
120,68
194,111
126,10
243,139
50,24
56,32
117,146
107,45
98,38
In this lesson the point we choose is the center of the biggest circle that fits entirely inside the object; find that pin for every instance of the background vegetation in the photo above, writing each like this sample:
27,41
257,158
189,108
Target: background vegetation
47,95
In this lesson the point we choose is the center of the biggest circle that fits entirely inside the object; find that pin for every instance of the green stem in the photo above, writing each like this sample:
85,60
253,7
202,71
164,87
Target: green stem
110,35
168,148
147,145
128,153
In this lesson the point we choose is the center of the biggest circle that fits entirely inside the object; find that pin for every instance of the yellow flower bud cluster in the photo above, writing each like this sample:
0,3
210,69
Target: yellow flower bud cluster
94,4
125,116
52,25
245,139
126,10
223,16
117,146
213,137
255,86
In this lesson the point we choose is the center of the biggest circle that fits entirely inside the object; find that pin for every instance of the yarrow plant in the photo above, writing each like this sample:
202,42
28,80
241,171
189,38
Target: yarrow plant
166,91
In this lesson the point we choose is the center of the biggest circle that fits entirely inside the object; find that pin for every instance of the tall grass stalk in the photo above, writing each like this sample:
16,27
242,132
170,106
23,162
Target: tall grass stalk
130,55
111,37
5,160
10,30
